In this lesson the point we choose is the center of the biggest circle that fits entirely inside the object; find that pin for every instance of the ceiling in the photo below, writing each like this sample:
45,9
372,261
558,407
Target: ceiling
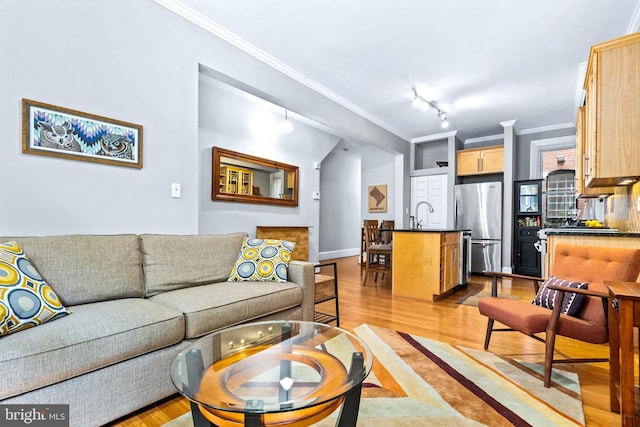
483,62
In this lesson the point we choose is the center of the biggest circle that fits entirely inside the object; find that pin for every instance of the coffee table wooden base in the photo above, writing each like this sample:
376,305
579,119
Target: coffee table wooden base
301,417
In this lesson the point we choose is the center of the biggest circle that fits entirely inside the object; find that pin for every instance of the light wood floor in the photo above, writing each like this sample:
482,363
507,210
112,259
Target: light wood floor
445,321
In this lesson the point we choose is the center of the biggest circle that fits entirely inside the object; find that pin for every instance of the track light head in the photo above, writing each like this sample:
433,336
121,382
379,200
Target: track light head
423,104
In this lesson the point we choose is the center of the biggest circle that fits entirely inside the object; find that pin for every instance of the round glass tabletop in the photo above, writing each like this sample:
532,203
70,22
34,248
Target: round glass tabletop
272,367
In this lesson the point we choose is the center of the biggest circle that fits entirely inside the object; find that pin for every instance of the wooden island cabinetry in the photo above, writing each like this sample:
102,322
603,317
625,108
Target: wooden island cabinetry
425,263
478,161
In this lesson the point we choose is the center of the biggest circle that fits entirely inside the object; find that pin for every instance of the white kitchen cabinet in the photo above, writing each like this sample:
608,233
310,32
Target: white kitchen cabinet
431,189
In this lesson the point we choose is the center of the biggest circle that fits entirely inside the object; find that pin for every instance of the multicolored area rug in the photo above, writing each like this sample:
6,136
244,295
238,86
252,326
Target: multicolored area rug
473,296
417,381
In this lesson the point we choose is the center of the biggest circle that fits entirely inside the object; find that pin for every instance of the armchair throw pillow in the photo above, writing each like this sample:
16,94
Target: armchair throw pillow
572,302
26,300
262,260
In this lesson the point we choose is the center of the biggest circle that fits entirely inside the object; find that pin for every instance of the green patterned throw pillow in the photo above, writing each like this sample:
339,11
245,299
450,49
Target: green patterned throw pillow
26,300
262,261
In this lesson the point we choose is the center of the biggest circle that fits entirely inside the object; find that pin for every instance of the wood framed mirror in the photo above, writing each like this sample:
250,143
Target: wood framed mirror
238,177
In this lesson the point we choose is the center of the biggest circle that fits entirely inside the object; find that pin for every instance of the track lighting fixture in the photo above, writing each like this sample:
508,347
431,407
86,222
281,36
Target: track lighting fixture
423,104
285,125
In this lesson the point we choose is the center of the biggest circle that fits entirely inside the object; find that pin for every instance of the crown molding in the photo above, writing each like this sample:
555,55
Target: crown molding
580,92
217,30
634,23
434,137
484,138
512,124
547,128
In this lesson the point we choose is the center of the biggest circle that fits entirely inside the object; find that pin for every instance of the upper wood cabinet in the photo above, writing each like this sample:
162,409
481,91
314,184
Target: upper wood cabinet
612,107
582,162
483,160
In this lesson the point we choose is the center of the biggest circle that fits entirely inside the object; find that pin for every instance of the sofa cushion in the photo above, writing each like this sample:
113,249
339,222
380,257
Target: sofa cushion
172,262
208,308
94,336
26,300
262,260
85,268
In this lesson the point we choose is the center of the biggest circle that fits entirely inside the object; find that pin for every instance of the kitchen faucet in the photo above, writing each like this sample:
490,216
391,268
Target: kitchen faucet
418,225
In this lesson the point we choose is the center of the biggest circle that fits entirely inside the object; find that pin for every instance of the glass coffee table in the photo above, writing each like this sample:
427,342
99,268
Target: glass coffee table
273,373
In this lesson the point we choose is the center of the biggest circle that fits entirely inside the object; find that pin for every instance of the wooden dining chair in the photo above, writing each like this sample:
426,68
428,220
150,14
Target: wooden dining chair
564,305
378,256
385,225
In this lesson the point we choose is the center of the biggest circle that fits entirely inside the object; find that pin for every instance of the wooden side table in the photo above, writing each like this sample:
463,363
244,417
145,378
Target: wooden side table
624,315
327,290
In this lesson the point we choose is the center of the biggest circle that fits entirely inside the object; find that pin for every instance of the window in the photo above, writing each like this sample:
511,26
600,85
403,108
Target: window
559,195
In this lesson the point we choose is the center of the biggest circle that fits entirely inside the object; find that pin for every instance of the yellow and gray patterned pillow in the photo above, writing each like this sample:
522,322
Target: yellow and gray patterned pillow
262,261
26,300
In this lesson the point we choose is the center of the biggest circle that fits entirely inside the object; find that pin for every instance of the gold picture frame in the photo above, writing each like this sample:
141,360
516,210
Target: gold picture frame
49,130
377,195
240,177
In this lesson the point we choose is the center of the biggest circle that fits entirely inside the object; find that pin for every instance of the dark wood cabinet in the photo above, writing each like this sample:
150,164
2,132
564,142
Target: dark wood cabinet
527,223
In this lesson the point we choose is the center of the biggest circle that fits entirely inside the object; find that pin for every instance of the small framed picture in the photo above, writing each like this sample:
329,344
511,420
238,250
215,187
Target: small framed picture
49,130
377,198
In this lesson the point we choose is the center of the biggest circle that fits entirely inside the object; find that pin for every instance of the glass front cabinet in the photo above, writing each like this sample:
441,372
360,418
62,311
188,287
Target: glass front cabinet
527,223
235,180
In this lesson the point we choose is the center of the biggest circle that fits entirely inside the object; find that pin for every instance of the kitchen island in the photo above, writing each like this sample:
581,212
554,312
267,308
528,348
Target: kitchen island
426,263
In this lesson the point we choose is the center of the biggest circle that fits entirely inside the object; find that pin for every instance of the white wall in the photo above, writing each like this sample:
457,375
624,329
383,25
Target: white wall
70,54
137,62
340,199
379,167
231,119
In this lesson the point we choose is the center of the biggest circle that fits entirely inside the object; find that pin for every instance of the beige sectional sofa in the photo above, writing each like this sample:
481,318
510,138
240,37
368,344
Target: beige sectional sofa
135,302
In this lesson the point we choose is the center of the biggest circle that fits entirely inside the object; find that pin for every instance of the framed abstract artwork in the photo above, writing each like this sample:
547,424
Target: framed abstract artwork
377,198
49,130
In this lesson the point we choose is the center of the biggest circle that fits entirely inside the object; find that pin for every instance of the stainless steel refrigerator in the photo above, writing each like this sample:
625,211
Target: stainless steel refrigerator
479,209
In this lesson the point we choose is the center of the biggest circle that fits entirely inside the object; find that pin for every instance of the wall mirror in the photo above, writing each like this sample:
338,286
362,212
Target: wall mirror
238,177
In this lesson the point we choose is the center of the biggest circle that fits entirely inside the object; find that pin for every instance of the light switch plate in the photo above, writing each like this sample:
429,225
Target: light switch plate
176,190
316,195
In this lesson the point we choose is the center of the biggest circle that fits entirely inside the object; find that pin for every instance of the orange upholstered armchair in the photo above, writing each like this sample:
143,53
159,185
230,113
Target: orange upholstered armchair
573,266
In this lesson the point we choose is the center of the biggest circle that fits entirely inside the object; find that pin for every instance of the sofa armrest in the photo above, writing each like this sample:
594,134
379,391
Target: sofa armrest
302,273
